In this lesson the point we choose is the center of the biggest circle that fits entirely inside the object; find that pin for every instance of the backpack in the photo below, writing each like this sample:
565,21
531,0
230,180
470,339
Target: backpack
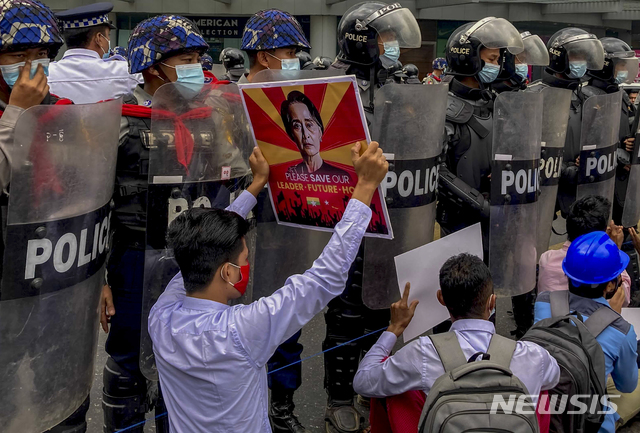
461,400
572,342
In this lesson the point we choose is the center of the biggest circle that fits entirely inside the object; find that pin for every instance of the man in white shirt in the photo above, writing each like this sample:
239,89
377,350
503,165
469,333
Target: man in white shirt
84,74
466,289
211,357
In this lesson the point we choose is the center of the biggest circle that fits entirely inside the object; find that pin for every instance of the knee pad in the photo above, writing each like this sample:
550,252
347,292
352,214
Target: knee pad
123,399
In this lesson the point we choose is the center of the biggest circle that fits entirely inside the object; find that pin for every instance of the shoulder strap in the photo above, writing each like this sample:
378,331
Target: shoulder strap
449,350
501,350
559,303
600,319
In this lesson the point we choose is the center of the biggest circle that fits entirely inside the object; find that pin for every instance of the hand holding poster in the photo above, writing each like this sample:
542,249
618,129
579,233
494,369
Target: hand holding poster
306,130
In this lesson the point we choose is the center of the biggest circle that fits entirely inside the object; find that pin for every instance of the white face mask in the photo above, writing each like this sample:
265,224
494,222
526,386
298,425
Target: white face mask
105,55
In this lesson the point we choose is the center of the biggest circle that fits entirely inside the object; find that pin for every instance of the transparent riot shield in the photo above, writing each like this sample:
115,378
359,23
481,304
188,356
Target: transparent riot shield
555,117
63,162
209,124
598,145
283,251
631,211
410,132
517,128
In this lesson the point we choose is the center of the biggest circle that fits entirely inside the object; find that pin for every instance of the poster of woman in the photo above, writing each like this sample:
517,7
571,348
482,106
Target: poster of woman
306,130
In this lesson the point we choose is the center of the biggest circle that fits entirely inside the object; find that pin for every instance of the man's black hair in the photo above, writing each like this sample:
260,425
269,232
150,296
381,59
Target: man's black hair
587,215
297,97
81,37
204,239
591,291
466,284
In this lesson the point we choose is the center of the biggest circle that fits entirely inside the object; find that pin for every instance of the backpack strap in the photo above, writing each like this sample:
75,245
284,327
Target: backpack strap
501,350
600,319
559,303
449,350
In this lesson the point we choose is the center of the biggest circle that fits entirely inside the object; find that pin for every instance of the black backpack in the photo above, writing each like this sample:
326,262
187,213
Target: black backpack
572,342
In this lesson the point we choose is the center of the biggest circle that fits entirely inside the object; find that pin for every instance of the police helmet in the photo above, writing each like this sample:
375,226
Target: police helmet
411,70
535,54
464,44
306,61
29,23
160,37
366,25
573,43
272,29
232,58
620,62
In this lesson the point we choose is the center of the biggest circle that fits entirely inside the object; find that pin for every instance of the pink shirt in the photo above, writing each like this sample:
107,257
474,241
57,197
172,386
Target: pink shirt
552,278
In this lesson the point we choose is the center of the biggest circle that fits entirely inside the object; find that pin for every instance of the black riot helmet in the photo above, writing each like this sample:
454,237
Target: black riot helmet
411,70
620,62
515,66
577,46
232,58
306,61
322,62
368,24
464,44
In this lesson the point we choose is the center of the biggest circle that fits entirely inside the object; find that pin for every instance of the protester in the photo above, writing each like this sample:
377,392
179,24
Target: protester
85,74
594,265
211,357
589,214
466,289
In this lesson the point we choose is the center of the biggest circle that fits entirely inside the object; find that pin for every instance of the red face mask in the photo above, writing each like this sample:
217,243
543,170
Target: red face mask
241,286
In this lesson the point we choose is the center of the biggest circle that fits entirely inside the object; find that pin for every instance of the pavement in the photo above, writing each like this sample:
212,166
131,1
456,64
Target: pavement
310,399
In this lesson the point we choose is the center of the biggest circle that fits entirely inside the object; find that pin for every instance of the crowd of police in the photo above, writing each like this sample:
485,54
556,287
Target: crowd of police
507,153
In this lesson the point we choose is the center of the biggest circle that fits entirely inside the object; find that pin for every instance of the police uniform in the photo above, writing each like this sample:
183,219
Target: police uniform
82,75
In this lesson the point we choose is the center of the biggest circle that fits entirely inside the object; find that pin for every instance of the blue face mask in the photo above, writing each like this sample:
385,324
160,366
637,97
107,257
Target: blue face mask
391,54
489,73
10,73
190,73
287,64
577,69
522,70
105,55
621,77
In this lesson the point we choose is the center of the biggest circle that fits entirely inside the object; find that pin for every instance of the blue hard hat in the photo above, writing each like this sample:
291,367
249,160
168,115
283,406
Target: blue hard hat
594,259
206,61
118,51
439,63
162,36
29,23
271,29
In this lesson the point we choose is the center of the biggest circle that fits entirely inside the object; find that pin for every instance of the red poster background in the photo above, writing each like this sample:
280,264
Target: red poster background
309,199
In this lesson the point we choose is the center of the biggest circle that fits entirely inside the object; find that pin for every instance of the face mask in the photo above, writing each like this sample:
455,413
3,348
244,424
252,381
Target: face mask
577,69
240,286
10,73
622,76
105,55
522,70
489,73
288,64
391,54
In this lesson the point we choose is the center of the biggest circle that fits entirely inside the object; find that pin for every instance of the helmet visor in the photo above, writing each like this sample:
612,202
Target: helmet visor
535,52
398,25
589,50
496,33
628,67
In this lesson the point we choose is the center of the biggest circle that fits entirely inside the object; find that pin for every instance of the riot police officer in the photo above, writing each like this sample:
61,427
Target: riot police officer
572,52
160,60
306,61
515,68
233,61
322,62
620,67
369,39
412,72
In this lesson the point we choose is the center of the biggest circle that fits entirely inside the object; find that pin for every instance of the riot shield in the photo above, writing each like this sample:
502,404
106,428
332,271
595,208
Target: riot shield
213,176
631,211
55,246
517,128
410,133
555,117
598,145
282,250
